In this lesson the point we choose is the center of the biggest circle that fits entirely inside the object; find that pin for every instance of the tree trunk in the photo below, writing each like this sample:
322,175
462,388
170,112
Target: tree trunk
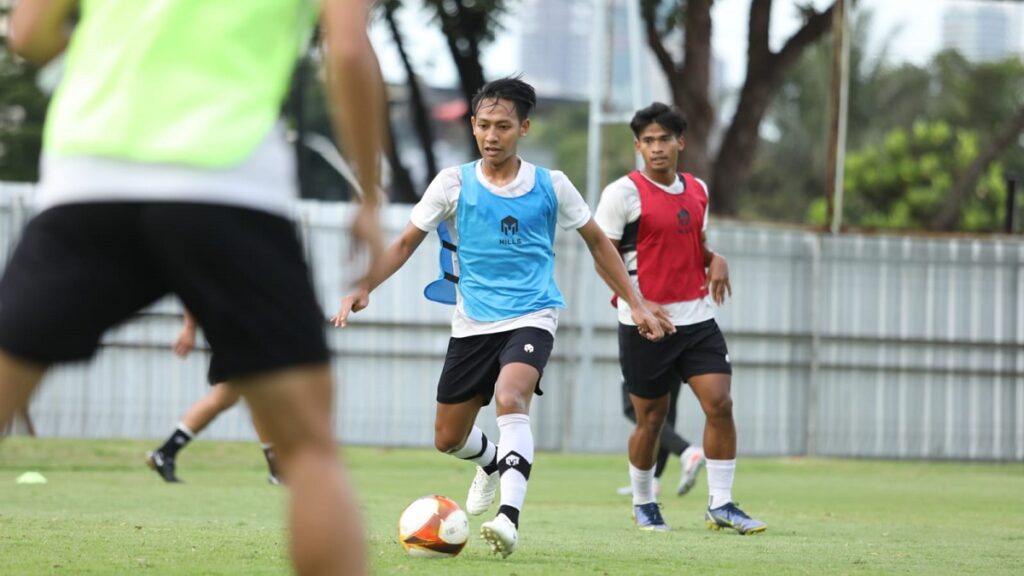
402,189
739,146
460,30
695,82
417,106
949,217
764,70
691,84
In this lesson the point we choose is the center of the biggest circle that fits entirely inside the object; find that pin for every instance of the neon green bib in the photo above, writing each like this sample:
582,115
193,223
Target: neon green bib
195,82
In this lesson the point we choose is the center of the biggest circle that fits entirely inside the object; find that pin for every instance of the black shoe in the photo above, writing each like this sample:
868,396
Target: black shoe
162,465
274,480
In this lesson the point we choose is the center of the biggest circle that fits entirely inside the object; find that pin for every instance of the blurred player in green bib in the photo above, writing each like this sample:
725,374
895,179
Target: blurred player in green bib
165,170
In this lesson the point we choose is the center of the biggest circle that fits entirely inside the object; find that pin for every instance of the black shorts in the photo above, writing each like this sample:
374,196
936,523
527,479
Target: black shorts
81,268
650,368
472,364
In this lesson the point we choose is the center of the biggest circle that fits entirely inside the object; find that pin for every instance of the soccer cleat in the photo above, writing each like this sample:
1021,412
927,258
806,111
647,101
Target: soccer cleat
648,517
627,490
501,534
481,492
692,461
162,465
274,480
730,516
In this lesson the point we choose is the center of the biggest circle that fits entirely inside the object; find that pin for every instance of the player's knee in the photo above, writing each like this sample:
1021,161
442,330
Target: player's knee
447,441
720,408
511,402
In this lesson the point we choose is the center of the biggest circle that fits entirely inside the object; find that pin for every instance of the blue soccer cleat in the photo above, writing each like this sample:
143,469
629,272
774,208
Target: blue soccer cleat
648,517
730,516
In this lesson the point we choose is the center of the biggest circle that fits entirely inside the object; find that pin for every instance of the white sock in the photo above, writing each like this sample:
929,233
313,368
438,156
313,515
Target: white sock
474,449
643,484
515,445
183,428
720,477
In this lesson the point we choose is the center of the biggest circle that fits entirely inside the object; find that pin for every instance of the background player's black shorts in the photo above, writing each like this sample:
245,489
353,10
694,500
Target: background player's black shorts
650,368
472,363
81,268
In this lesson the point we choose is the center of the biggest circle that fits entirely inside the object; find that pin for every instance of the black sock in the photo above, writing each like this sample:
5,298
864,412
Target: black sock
268,453
493,466
511,513
176,442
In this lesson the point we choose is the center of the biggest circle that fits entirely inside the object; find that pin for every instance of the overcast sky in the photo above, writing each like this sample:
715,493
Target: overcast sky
914,27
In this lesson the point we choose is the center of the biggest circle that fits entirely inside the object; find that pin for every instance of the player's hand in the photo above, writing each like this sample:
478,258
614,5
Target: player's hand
662,315
647,324
718,279
185,342
352,303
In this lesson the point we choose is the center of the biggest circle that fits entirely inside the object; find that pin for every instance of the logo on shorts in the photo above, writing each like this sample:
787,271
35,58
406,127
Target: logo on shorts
512,461
726,358
528,348
510,229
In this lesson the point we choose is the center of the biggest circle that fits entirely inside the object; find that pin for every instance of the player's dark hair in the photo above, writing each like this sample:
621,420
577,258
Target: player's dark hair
513,89
668,117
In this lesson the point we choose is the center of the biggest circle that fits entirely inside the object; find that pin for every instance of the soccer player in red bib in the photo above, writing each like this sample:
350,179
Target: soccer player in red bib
656,217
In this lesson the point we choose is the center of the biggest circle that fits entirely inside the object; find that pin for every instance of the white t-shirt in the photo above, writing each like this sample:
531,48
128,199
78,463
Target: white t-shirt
266,180
439,204
619,206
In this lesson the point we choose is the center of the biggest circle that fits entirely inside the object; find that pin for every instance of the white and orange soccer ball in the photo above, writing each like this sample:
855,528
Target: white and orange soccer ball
433,527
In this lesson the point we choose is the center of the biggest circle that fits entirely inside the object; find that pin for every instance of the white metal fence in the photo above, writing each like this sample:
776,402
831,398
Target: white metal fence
875,346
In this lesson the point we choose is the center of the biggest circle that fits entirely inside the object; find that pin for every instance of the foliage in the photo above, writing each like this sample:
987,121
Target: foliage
562,130
888,104
22,110
104,512
904,181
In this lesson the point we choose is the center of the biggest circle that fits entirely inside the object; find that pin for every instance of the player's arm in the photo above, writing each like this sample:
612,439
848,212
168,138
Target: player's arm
39,29
356,91
718,272
186,340
612,270
659,311
396,255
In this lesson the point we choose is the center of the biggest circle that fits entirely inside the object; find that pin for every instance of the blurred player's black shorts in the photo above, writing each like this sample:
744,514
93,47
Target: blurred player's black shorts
651,368
81,268
472,364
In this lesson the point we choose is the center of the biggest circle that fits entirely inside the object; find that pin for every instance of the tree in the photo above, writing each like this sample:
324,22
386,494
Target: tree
417,103
468,25
904,182
690,81
22,111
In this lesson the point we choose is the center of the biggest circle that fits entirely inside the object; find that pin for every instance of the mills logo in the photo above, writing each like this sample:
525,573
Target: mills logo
512,460
510,231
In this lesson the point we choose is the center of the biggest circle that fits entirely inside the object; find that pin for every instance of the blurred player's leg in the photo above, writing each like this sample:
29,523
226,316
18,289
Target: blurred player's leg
18,379
294,408
274,474
163,460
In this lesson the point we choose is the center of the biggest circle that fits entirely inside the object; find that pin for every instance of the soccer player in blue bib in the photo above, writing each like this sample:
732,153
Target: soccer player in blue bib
501,212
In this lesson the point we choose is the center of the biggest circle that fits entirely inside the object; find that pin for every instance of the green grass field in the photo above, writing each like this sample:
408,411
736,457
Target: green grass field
103,512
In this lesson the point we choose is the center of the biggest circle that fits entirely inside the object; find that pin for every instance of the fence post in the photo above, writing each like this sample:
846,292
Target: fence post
811,432
1011,203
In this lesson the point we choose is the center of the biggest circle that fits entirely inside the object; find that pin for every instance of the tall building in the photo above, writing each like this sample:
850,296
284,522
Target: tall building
554,46
983,31
555,50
